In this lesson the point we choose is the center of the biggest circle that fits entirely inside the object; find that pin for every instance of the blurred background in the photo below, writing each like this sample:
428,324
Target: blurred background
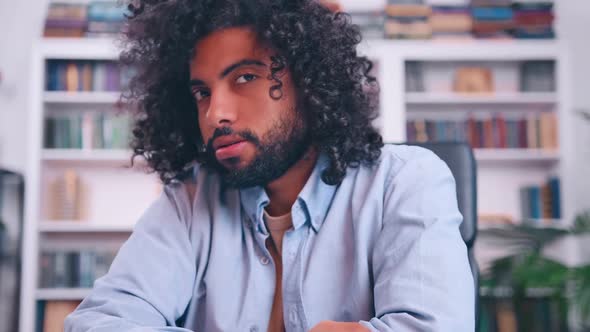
507,76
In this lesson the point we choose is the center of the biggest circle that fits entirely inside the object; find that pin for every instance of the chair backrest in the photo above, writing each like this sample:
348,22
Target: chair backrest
459,157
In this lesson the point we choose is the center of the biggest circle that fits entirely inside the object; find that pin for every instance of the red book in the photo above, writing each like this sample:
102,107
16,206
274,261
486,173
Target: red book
502,132
522,134
488,134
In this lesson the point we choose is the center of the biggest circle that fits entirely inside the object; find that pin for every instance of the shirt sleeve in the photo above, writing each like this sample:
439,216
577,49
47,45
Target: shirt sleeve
150,282
422,278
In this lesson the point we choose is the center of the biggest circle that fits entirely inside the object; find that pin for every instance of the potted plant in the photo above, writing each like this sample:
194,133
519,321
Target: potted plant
530,267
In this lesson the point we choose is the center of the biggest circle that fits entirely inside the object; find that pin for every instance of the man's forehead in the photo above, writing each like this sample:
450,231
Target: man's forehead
224,47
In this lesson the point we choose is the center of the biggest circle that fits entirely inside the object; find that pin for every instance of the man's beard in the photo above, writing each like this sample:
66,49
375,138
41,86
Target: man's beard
283,146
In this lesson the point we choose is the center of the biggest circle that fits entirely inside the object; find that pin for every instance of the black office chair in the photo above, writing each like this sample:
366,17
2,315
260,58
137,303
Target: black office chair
459,158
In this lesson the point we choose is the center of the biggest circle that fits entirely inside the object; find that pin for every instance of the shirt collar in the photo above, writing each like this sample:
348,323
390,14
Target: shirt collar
314,199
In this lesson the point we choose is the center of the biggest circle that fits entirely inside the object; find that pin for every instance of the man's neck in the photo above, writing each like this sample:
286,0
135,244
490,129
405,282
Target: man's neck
283,191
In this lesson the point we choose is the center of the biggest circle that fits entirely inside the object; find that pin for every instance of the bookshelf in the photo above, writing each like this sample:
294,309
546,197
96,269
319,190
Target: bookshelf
103,172
514,167
501,171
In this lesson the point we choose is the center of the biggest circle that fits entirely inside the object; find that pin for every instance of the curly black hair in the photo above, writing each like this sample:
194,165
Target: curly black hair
333,83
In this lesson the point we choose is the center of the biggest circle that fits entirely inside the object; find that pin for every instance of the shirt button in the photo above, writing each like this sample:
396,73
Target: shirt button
264,260
293,316
254,329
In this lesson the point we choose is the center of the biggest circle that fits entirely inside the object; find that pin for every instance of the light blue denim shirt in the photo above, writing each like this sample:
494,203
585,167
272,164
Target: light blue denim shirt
383,248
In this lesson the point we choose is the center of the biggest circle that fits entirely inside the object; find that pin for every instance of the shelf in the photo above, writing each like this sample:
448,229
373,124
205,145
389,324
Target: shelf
95,97
79,48
475,50
65,226
62,293
80,155
424,98
516,155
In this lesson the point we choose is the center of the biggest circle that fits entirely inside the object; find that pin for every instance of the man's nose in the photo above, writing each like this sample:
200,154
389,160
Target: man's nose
222,110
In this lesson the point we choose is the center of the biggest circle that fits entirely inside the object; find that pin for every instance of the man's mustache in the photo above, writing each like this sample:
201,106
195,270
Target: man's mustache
245,134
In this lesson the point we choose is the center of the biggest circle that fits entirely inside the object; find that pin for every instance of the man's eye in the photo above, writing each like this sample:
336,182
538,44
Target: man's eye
246,78
201,94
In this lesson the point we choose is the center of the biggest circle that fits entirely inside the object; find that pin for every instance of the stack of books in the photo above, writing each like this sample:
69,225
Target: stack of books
541,201
66,20
95,19
534,19
492,18
451,19
105,19
68,75
497,132
407,21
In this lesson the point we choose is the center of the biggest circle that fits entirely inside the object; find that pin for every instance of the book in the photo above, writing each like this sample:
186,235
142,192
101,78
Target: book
55,312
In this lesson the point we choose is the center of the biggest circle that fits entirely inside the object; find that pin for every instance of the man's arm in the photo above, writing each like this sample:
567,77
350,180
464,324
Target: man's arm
150,282
422,277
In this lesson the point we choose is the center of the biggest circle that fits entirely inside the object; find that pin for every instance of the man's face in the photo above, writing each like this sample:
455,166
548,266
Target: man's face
251,138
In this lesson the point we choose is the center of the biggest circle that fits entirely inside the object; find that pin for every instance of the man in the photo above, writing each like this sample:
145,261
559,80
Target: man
282,210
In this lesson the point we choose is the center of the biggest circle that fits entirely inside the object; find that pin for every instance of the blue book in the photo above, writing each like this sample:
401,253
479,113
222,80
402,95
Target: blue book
39,315
106,11
492,13
525,203
554,186
536,204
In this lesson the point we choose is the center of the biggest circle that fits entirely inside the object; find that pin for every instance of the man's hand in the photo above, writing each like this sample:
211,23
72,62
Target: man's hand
331,326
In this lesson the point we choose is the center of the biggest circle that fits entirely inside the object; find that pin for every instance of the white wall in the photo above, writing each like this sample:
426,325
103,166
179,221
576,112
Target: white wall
573,17
20,23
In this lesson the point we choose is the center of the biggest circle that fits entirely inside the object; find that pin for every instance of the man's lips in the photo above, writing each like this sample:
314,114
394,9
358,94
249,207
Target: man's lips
226,141
228,147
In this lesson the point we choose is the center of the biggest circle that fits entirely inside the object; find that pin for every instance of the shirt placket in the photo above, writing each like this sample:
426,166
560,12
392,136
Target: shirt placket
294,315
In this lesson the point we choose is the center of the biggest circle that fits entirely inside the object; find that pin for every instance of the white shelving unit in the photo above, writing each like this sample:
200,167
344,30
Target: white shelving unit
109,182
513,167
500,171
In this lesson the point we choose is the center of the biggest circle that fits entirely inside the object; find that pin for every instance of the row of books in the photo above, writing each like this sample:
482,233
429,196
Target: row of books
88,130
539,314
50,315
462,19
541,201
518,19
73,269
532,131
527,76
95,19
77,75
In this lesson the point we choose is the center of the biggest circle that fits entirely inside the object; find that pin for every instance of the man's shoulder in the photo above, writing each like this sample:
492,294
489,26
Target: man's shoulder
396,156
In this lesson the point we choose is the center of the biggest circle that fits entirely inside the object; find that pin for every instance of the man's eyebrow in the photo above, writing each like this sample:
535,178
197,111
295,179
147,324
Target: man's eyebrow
245,62
196,82
229,69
